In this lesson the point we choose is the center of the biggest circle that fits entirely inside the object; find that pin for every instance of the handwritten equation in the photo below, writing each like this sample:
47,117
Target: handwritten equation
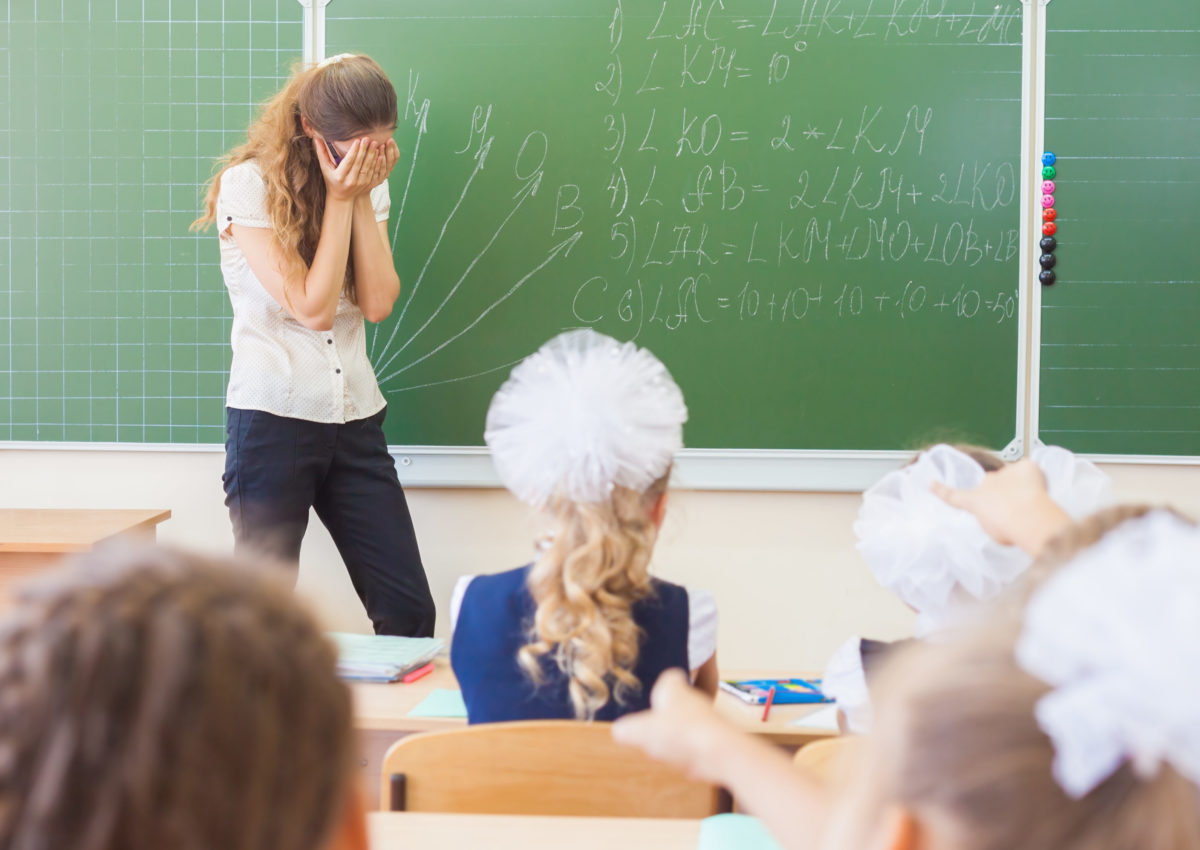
718,163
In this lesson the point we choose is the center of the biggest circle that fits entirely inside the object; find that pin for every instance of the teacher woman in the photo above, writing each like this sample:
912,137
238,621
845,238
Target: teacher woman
301,209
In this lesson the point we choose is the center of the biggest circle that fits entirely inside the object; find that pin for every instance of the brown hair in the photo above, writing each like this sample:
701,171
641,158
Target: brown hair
1089,530
989,460
151,699
956,740
584,586
341,100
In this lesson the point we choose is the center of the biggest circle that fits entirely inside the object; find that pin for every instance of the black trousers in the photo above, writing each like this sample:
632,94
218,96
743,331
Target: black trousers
276,468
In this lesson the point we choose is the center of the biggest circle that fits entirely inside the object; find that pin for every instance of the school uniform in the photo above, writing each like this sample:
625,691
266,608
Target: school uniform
304,430
493,616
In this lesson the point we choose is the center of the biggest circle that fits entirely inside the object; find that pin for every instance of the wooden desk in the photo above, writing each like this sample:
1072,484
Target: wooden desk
33,540
417,831
381,716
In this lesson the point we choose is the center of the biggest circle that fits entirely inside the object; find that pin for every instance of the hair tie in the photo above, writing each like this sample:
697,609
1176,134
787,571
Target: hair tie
1116,634
582,415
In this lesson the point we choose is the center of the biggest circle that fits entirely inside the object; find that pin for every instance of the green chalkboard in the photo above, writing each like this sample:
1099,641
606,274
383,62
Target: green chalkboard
1120,354
114,322
810,211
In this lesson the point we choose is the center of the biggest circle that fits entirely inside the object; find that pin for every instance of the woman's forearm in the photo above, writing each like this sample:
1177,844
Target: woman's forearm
317,304
376,283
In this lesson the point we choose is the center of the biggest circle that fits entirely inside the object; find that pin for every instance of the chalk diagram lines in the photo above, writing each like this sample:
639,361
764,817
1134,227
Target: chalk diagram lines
394,350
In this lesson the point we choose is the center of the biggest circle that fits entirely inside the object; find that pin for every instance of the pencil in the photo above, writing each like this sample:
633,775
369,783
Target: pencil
767,705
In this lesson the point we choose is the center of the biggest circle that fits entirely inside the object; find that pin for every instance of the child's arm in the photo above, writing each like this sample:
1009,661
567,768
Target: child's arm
706,678
683,729
1012,505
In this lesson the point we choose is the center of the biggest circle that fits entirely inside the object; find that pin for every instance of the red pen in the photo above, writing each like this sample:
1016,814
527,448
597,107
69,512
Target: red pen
767,706
409,678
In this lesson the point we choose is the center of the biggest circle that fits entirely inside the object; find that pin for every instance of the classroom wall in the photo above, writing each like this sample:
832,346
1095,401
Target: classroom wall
788,582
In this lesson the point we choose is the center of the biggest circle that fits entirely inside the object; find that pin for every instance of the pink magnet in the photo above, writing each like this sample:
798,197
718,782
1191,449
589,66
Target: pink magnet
1048,187
1047,201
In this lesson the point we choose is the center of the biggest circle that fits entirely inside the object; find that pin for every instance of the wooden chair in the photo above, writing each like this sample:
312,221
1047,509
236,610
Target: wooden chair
540,767
823,759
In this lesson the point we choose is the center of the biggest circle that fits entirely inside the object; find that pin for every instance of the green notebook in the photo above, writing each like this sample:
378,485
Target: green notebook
441,702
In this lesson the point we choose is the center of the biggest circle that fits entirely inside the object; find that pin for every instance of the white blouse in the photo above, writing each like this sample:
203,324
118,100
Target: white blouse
702,621
280,366
846,682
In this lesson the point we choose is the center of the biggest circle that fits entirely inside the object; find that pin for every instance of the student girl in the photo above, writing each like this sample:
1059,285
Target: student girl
302,211
150,700
938,560
1065,724
586,430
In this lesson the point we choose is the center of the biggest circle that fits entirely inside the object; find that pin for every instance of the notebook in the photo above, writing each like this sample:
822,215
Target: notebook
441,702
787,691
382,658
823,718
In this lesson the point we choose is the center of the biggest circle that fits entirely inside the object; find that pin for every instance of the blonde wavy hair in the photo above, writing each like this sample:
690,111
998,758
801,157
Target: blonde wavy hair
341,100
592,572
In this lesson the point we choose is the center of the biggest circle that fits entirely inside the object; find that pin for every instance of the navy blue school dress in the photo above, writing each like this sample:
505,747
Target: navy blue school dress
493,624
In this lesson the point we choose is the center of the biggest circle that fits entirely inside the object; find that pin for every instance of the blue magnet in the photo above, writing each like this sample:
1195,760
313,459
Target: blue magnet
1048,158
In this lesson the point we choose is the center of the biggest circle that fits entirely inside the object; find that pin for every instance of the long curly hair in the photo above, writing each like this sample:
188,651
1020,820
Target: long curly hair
341,100
151,699
585,584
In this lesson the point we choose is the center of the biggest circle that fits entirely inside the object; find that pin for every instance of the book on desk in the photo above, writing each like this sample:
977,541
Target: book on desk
382,658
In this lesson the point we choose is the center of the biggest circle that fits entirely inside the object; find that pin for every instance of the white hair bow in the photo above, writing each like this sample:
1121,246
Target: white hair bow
938,559
1116,633
581,415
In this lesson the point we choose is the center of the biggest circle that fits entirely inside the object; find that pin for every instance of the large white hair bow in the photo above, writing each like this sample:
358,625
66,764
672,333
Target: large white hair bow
1116,633
938,559
581,415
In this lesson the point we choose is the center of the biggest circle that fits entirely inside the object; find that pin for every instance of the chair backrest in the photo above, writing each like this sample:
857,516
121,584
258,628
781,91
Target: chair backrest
540,767
823,759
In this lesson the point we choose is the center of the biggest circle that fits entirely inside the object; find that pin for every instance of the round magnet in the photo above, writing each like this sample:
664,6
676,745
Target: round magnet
1047,187
1049,214
1047,277
1047,261
1048,173
1048,244
1047,201
1049,228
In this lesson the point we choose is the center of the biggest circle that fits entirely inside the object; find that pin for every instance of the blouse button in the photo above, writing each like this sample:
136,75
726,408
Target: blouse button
339,371
329,341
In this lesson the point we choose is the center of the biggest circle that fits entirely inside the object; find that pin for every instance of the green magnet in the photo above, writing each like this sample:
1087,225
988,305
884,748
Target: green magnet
1048,173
